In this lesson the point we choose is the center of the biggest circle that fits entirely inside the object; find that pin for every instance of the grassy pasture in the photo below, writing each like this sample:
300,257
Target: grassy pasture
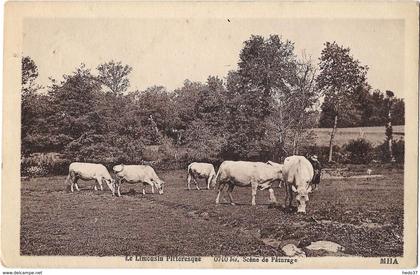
365,216
376,135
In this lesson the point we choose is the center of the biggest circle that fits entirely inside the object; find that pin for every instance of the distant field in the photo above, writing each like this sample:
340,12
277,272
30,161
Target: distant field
376,135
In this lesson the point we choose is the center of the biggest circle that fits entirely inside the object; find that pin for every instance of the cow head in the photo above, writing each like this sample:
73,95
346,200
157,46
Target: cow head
111,184
302,195
118,168
159,184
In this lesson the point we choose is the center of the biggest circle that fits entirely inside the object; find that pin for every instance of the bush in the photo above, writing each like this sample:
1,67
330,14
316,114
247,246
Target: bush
323,152
398,149
42,164
35,171
360,151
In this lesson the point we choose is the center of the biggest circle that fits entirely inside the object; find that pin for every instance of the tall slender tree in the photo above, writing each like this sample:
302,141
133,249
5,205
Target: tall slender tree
339,78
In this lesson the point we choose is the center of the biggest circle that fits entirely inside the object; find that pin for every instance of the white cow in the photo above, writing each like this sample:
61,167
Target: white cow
297,175
138,174
89,171
199,170
246,173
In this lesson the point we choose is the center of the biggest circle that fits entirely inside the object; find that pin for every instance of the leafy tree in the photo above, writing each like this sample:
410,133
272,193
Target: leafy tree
398,111
155,111
339,78
206,133
73,119
114,76
266,67
29,75
31,104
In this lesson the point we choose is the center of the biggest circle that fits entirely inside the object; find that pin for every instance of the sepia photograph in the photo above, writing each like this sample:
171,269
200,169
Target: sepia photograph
203,135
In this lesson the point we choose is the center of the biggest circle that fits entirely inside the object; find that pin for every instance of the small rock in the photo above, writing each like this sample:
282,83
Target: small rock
192,214
325,245
205,215
292,250
271,242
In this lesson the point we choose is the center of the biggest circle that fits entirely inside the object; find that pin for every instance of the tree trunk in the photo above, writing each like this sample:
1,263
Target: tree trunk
389,135
295,143
332,138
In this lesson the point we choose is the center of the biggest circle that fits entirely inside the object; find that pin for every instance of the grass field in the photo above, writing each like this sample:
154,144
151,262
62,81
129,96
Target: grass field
365,216
376,135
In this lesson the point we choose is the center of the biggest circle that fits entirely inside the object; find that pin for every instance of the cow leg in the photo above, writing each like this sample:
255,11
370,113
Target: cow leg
153,187
70,178
208,182
75,183
67,182
99,182
254,187
287,186
144,185
290,196
189,181
118,191
230,189
119,181
196,183
221,186
272,196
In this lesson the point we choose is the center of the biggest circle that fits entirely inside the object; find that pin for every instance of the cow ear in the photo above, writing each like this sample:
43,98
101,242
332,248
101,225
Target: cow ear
269,162
294,188
310,189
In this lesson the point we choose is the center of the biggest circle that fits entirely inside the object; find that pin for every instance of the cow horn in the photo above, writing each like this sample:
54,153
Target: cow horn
294,188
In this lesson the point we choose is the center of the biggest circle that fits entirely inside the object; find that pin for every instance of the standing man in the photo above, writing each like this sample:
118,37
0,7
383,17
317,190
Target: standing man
313,159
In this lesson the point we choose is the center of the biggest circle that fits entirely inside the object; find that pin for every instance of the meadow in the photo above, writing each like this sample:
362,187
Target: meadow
375,135
363,215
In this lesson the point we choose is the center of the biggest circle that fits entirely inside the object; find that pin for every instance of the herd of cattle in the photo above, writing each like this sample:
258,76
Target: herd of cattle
297,174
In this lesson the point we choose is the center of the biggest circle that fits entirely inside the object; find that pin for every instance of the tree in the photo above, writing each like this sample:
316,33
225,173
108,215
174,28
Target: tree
73,121
301,100
29,75
31,107
339,78
113,75
388,126
205,135
266,67
154,109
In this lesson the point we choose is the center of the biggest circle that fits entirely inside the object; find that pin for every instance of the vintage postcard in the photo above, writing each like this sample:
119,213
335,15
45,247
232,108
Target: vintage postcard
210,134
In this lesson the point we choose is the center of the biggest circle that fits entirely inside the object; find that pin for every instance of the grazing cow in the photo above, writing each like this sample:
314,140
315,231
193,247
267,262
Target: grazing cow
297,174
198,170
245,173
89,171
138,174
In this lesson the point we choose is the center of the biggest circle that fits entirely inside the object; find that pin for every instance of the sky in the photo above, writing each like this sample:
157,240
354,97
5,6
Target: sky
168,51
